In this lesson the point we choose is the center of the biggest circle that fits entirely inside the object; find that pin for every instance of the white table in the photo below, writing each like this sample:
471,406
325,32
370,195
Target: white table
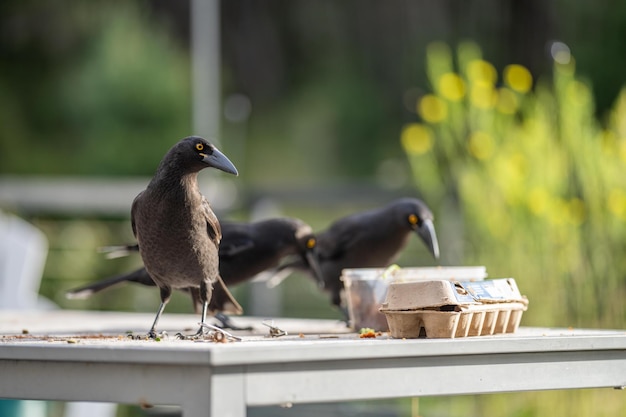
324,365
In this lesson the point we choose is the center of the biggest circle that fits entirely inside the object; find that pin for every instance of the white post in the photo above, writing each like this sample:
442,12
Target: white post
205,57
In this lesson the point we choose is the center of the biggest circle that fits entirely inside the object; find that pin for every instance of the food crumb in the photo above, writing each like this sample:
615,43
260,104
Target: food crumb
366,332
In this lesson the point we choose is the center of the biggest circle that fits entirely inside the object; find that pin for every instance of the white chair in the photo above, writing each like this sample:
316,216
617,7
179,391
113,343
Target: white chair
23,253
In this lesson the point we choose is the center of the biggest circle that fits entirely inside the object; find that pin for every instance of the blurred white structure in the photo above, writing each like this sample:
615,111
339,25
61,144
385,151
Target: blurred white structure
23,252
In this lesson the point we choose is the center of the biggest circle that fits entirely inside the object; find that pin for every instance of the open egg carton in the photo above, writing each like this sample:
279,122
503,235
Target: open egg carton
434,302
449,309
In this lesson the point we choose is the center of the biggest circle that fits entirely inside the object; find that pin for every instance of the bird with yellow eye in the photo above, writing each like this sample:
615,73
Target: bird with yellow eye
369,239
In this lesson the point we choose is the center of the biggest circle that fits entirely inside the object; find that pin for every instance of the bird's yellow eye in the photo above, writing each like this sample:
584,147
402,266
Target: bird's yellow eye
200,146
310,244
413,219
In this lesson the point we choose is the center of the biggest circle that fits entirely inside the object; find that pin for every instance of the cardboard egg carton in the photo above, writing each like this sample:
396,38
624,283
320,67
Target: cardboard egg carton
447,309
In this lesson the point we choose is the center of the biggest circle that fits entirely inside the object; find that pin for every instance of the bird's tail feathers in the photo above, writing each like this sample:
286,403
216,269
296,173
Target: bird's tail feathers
140,276
276,276
222,299
88,290
113,252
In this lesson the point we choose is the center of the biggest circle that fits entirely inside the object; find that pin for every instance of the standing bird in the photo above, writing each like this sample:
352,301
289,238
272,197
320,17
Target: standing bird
370,239
246,250
177,232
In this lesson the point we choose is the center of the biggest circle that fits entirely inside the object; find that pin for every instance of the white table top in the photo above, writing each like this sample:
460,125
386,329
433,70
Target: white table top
298,367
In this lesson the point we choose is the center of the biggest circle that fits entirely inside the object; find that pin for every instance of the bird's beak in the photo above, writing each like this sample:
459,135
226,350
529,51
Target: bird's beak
220,161
427,232
311,258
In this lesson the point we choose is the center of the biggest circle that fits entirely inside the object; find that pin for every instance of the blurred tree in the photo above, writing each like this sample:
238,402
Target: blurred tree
359,56
89,87
83,80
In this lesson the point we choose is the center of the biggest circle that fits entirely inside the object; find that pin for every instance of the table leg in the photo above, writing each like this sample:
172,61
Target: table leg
226,396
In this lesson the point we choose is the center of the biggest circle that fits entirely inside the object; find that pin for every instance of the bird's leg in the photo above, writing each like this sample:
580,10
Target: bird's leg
166,293
165,297
205,308
335,299
152,333
227,323
346,315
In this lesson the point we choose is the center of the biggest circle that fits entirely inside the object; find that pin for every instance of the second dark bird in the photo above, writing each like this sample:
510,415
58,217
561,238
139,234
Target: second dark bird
246,250
177,232
369,239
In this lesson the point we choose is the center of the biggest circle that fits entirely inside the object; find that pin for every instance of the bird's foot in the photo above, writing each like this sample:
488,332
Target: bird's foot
210,333
274,331
196,336
227,323
151,335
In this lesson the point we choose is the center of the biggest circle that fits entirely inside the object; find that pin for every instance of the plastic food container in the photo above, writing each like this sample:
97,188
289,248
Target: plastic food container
366,288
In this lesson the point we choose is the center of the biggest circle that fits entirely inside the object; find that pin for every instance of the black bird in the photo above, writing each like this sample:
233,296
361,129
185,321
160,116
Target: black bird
246,250
252,248
177,232
370,239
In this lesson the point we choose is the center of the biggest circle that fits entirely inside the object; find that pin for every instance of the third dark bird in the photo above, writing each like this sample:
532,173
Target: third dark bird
369,239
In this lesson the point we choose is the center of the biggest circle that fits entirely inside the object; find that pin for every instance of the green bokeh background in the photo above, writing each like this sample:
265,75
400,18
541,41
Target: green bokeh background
537,192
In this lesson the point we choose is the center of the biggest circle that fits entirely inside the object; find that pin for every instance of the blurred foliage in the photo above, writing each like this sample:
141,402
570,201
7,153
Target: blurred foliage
530,165
536,177
539,183
99,89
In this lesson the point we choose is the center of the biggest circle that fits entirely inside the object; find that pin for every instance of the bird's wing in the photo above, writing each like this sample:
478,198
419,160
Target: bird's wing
133,211
340,237
234,247
212,223
236,239
222,300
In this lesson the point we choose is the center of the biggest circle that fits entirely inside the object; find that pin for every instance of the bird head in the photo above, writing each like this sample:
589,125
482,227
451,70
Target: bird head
307,246
418,217
198,153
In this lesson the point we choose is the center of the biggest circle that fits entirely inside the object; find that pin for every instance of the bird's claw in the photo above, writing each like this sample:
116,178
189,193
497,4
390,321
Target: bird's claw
210,333
219,335
151,335
274,331
199,335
